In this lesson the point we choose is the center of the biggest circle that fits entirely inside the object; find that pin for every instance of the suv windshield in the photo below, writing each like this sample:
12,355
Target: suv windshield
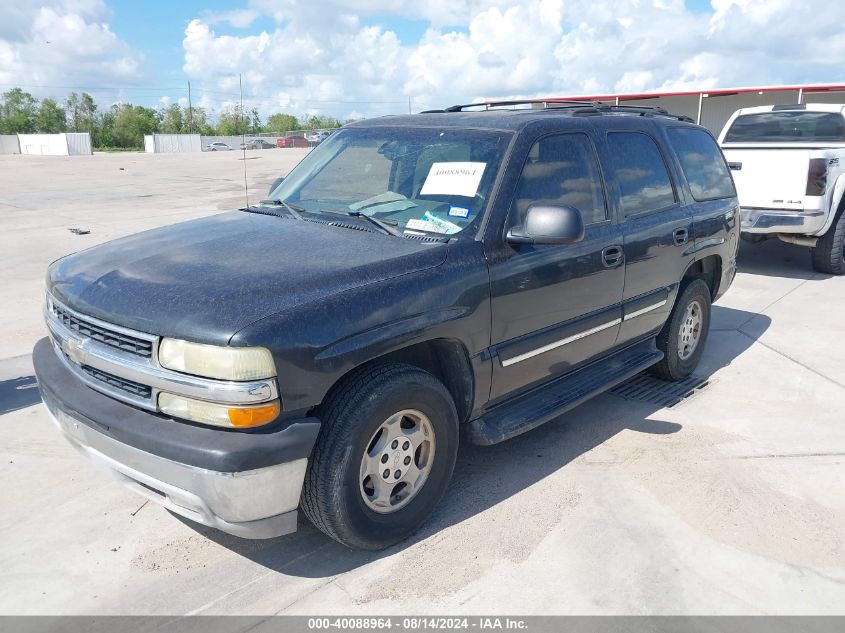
419,180
796,127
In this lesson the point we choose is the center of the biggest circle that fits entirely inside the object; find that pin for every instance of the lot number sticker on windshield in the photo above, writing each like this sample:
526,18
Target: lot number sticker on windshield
453,179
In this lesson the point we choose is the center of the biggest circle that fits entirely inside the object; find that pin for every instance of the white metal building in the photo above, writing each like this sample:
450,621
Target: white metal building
713,108
64,144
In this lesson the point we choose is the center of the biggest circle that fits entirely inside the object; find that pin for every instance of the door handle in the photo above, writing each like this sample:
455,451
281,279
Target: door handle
612,256
680,236
735,166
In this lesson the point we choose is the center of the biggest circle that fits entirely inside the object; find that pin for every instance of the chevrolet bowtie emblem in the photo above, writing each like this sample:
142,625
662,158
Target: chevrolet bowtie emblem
74,350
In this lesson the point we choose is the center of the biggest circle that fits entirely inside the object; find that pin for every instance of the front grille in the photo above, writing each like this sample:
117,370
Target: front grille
134,388
112,338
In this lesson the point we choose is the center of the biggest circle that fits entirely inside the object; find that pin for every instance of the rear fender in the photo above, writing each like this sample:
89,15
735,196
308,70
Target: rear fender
835,204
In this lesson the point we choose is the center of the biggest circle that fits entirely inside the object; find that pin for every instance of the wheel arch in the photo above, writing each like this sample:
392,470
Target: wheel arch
446,359
709,269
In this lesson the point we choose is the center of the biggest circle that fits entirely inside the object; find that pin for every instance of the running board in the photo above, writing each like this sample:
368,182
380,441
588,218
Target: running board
538,406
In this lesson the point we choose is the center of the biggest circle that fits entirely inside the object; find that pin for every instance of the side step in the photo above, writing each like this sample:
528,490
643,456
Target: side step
538,406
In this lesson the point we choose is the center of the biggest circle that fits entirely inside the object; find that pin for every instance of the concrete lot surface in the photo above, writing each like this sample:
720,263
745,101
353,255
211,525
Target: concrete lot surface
730,502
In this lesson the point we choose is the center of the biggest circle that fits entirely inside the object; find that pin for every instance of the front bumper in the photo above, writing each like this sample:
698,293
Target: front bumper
246,484
757,220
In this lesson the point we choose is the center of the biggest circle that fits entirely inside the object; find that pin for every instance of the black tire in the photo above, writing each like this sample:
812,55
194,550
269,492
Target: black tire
673,367
829,252
331,496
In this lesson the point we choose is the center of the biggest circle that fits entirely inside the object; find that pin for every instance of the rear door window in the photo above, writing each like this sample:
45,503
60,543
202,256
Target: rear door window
787,127
702,163
640,171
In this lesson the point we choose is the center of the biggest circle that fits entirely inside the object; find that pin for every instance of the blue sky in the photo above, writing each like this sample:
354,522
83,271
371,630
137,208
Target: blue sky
369,57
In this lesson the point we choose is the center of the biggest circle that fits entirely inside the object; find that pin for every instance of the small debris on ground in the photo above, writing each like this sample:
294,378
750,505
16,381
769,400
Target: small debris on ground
79,231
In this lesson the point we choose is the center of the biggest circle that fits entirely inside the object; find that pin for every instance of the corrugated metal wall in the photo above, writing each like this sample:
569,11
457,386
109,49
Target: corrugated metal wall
78,143
9,144
172,143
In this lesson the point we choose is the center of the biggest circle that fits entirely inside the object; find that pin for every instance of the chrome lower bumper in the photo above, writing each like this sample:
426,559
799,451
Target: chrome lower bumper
756,220
256,504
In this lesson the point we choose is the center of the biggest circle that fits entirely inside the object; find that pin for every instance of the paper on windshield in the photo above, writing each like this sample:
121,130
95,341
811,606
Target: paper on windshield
433,224
453,179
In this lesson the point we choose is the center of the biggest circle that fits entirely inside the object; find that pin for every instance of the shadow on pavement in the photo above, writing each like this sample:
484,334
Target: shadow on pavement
17,393
486,476
777,259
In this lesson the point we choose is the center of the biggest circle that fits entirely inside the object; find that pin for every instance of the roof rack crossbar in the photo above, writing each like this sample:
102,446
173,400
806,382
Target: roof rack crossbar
576,107
513,102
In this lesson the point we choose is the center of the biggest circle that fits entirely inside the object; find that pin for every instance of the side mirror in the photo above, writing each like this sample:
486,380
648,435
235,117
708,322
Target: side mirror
545,224
275,184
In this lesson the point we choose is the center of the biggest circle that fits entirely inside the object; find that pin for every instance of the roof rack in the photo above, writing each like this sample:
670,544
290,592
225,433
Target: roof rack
573,107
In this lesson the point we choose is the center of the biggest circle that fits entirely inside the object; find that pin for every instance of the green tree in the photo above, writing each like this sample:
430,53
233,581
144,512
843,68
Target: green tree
81,113
199,122
17,112
131,123
231,122
173,120
280,122
50,117
255,120
319,122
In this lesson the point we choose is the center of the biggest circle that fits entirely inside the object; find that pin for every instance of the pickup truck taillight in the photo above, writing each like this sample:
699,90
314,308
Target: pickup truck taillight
817,177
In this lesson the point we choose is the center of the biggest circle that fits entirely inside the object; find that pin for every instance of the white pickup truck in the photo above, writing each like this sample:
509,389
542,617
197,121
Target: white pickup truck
788,163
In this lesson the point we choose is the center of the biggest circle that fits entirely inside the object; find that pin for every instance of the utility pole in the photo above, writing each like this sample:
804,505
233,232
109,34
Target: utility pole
409,104
190,111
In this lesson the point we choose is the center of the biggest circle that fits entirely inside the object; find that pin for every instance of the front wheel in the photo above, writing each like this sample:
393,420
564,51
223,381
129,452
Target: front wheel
683,336
384,457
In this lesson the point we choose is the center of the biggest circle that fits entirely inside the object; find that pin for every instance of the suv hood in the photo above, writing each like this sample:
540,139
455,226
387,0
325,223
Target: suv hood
206,279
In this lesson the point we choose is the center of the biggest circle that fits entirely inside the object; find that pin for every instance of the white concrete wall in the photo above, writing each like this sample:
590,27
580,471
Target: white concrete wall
44,144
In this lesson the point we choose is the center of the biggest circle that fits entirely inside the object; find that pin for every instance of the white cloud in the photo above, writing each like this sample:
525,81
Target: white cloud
318,55
63,43
327,55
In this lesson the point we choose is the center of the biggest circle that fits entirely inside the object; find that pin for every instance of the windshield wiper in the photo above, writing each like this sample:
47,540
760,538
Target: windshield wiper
294,210
384,226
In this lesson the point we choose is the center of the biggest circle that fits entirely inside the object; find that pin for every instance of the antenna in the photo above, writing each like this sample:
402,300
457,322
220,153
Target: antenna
243,138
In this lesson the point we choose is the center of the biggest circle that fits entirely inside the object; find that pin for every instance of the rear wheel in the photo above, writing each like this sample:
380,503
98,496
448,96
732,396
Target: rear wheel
384,456
683,336
829,252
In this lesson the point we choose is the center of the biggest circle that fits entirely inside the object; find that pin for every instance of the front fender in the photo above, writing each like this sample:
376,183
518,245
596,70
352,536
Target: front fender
316,344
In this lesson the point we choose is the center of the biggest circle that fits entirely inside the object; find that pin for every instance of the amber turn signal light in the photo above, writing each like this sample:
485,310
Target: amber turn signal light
254,416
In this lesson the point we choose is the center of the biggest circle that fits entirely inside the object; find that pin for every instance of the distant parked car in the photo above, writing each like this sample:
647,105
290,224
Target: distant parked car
257,143
217,147
292,141
318,137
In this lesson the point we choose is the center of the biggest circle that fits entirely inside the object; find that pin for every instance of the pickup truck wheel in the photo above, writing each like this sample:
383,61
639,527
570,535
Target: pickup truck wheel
384,456
829,252
683,336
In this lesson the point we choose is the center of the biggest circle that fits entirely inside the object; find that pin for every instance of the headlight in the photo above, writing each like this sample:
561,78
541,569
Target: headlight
217,414
213,361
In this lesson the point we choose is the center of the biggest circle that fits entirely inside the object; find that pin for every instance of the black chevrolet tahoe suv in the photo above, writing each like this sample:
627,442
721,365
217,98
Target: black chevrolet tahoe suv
416,281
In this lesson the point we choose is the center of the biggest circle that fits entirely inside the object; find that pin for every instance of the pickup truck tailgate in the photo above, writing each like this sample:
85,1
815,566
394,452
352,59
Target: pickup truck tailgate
769,178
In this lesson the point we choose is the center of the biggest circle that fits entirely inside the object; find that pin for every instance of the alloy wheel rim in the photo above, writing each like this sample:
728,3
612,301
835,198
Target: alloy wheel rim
397,461
689,333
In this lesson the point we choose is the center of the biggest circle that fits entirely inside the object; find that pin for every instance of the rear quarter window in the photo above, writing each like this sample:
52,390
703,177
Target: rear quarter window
702,163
